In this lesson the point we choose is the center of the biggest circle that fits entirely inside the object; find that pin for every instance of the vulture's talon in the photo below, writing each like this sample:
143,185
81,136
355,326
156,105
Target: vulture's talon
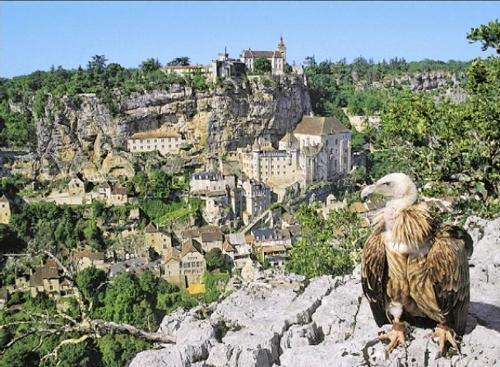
444,335
395,337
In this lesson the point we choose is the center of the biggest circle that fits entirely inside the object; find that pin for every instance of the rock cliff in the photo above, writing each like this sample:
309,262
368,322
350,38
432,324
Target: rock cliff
282,320
80,131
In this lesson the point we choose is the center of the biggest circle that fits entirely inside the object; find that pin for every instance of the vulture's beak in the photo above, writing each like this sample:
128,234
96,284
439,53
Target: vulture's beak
367,191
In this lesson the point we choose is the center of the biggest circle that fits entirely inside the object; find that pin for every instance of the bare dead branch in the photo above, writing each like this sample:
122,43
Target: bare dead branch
106,327
66,342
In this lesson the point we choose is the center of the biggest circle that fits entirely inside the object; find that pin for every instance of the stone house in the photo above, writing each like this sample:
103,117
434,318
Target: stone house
271,237
241,250
4,210
48,279
257,198
163,140
277,58
211,237
211,182
276,255
226,68
192,264
172,268
160,242
118,196
185,267
186,69
85,259
272,244
208,237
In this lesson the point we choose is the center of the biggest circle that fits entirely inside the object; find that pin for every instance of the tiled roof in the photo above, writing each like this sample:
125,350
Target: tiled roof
190,245
90,254
118,190
261,54
226,246
47,271
211,236
157,133
289,139
236,238
183,67
150,228
271,249
313,125
190,233
172,254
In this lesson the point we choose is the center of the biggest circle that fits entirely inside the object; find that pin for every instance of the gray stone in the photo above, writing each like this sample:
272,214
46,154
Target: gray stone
327,322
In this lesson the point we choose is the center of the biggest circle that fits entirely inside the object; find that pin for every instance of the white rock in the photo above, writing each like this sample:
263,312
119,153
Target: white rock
287,322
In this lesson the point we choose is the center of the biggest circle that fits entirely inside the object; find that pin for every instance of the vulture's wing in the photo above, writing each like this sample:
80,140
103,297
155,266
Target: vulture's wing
448,266
374,277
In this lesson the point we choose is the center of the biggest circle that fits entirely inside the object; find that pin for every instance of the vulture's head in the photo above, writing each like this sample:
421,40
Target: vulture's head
398,188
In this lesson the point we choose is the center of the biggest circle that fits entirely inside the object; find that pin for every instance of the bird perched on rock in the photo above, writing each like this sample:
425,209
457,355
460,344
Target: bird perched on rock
413,268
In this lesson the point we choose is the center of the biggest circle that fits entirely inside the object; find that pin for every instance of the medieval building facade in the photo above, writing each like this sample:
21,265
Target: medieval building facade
277,58
318,149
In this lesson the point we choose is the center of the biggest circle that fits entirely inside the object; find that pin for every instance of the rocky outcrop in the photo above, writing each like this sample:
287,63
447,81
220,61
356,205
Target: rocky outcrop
81,130
282,320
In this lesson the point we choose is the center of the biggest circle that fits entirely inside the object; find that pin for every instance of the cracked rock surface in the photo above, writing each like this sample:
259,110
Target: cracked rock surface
286,321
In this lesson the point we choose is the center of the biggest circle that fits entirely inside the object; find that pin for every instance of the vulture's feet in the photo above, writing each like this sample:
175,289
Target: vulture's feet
444,334
395,337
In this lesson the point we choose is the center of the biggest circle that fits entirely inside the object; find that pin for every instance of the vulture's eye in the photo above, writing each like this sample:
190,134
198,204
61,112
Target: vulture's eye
386,183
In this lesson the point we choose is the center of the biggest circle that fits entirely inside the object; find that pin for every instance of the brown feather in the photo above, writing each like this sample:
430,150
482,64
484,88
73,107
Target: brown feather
435,284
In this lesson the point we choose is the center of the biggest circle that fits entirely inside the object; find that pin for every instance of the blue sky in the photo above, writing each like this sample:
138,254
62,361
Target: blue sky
36,35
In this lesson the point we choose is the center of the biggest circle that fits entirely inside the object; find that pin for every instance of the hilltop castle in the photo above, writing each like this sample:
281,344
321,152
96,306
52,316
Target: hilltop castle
276,57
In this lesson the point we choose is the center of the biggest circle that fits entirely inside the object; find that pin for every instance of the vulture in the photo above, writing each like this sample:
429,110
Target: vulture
414,269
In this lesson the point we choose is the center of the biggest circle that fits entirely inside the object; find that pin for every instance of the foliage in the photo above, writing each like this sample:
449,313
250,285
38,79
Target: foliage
487,34
179,61
262,66
150,65
23,99
154,183
161,213
444,142
328,246
9,242
118,350
215,282
215,259
89,280
335,85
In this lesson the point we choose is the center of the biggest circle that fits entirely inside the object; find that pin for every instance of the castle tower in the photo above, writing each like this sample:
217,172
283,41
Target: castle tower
282,48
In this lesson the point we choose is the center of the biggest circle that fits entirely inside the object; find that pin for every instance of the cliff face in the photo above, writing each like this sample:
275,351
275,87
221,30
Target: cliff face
281,320
81,131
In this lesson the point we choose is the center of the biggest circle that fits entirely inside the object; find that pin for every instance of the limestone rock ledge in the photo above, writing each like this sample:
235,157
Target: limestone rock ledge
282,320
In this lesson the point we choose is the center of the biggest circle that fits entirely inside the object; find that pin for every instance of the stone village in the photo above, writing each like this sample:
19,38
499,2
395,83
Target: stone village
318,149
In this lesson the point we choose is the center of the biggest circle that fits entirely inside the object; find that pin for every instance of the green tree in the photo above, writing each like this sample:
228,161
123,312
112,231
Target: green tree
118,350
179,61
328,246
215,259
97,64
150,65
90,282
84,354
487,34
262,65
